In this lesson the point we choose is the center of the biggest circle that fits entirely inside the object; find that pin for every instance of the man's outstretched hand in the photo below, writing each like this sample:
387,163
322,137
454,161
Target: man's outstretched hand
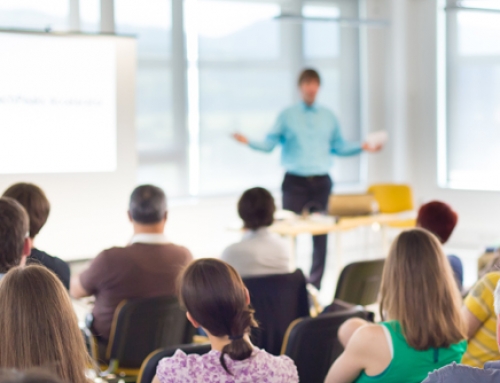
372,149
240,138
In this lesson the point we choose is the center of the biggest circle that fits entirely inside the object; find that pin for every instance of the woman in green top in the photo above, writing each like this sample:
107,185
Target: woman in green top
424,329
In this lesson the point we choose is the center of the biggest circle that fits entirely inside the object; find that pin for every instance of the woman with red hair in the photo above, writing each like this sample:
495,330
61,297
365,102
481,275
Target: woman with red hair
440,219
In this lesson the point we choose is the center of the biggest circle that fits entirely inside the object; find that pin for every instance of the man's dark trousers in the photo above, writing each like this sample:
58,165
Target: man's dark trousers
309,193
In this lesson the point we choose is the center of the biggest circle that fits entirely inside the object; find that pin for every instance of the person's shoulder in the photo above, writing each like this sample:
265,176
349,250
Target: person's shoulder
370,331
114,251
232,250
282,365
367,339
113,255
324,110
178,357
291,109
179,249
57,265
182,365
44,256
484,287
493,278
454,373
276,239
172,366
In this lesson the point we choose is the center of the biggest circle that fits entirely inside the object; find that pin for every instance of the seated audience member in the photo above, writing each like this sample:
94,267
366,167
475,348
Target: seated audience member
466,374
148,267
38,326
423,328
440,219
15,245
481,320
260,252
217,301
37,206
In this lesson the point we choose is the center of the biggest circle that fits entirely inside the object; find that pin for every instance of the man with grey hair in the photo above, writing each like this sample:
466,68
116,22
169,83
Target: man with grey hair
147,267
465,374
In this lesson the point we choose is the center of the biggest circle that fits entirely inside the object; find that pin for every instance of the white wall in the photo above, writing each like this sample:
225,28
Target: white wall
85,207
479,211
403,99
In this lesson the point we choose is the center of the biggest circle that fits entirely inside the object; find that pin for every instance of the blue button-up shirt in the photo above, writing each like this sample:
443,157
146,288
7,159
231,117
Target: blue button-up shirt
309,136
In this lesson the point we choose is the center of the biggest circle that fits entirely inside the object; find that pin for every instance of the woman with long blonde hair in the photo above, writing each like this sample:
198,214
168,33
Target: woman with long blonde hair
38,327
422,328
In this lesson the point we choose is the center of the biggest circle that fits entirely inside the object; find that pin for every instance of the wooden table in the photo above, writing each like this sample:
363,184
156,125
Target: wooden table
291,228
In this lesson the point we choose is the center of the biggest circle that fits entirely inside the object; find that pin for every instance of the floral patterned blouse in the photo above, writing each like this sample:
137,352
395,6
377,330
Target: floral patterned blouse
261,367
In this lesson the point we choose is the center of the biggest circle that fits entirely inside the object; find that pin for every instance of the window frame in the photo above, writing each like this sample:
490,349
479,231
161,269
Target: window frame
448,60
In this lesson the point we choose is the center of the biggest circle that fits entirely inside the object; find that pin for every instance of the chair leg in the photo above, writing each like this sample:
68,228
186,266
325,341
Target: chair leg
112,368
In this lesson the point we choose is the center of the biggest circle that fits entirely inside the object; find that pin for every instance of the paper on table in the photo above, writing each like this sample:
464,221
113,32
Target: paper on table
377,138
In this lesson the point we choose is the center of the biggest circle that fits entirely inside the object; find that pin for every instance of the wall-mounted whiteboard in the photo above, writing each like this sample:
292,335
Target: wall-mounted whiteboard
67,124
57,104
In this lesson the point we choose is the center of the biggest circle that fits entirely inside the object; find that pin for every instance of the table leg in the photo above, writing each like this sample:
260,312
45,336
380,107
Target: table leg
294,252
339,261
385,246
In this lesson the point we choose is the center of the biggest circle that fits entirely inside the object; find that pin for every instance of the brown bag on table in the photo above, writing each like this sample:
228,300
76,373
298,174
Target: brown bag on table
351,205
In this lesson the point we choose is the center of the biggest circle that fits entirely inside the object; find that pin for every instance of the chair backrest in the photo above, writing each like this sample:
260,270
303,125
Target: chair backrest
359,282
148,368
313,345
392,198
278,300
144,325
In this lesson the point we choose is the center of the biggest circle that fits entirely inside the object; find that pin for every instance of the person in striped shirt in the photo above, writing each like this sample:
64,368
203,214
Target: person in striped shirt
481,320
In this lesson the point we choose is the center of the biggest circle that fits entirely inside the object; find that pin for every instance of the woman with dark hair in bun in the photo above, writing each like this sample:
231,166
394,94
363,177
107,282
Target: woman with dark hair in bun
217,301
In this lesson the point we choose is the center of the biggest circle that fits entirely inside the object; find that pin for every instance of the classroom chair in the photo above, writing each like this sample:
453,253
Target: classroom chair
278,300
141,326
359,282
313,345
394,198
148,368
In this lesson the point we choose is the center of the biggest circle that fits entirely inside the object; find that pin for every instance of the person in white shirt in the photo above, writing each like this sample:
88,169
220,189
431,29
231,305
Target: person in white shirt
260,252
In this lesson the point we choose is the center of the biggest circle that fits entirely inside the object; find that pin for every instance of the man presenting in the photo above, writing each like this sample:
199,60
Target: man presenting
309,135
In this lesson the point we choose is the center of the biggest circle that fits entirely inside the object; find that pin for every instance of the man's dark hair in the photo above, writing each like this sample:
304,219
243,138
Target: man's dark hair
14,226
34,201
148,204
309,74
256,208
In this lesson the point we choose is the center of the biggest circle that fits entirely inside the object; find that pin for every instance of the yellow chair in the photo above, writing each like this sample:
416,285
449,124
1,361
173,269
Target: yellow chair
392,199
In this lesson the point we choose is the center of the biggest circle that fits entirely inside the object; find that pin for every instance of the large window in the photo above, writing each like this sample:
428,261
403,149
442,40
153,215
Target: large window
244,81
46,15
247,63
473,95
159,146
210,68
90,15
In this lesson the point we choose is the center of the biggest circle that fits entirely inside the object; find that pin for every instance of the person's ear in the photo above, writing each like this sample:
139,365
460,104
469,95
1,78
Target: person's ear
129,216
247,297
28,242
165,217
191,319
